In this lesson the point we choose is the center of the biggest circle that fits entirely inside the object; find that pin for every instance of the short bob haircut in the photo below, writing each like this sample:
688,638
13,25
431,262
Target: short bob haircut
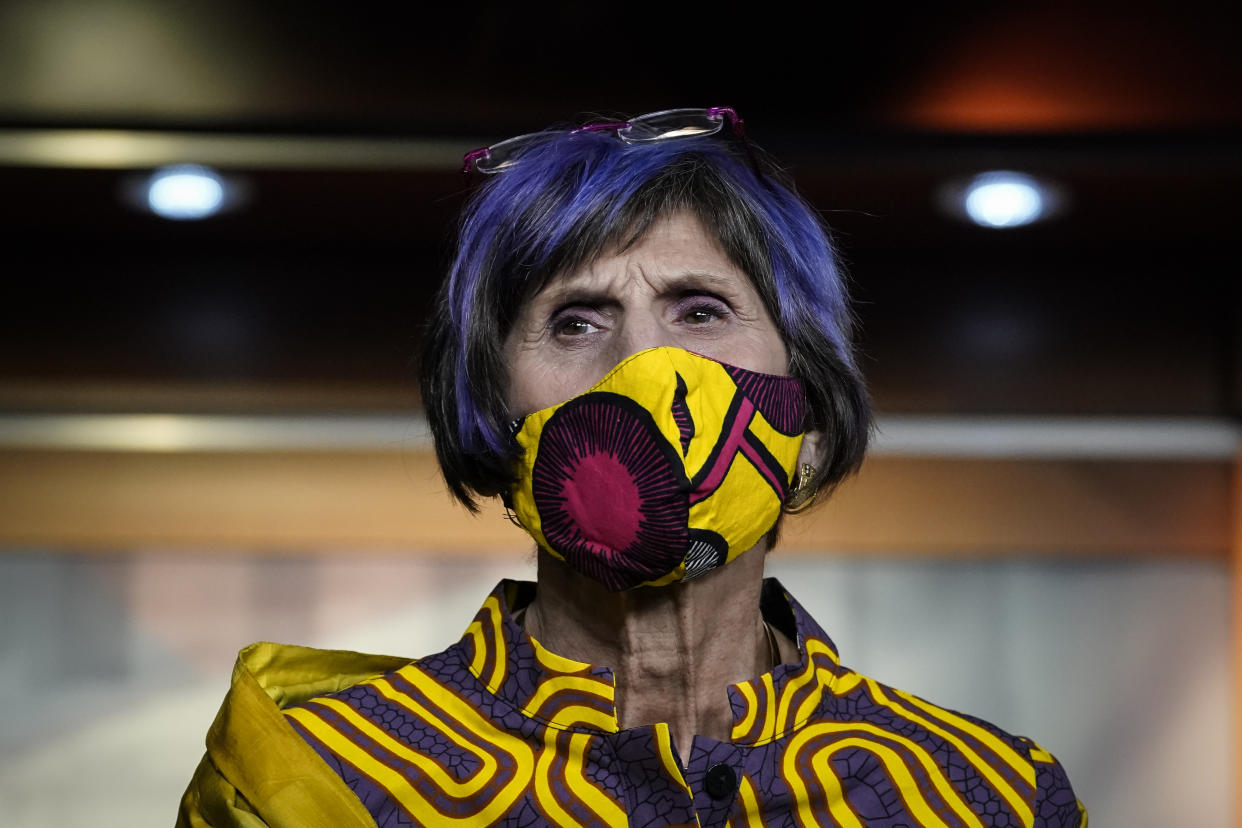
576,196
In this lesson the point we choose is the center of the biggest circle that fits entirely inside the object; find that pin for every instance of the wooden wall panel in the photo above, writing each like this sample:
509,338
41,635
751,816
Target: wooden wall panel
964,507
277,500
329,500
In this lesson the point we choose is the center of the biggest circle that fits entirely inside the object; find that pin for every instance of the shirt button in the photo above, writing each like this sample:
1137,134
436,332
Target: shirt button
721,781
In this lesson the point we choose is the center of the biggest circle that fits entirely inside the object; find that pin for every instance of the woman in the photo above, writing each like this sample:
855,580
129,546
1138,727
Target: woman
643,347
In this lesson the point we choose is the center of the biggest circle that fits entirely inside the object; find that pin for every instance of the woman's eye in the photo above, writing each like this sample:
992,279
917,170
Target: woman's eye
702,313
572,326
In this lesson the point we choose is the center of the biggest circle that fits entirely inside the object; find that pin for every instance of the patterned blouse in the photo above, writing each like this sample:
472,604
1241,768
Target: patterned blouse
497,730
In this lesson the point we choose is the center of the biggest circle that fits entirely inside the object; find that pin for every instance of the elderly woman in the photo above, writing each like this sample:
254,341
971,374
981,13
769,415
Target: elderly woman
643,348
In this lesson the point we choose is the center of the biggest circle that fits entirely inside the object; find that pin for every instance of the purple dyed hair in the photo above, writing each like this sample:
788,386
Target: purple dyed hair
576,195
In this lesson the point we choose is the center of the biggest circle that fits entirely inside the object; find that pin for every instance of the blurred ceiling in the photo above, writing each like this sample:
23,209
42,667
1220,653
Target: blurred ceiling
457,70
344,125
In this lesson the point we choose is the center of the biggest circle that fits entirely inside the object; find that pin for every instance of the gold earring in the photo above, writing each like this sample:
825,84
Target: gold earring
804,490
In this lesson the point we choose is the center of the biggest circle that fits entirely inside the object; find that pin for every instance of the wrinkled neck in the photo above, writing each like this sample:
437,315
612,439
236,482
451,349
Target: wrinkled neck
674,650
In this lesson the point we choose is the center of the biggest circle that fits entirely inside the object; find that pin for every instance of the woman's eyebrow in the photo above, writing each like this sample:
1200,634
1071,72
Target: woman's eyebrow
704,281
693,277
557,299
687,281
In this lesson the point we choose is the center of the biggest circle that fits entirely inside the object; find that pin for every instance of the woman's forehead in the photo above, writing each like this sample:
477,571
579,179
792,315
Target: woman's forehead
675,251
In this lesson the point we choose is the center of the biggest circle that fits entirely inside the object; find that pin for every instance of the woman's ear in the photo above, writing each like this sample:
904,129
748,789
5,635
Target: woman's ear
811,451
805,483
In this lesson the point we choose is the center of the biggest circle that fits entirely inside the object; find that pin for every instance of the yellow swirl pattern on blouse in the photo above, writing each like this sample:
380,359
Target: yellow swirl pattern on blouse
589,804
506,762
568,696
768,732
595,798
1038,754
746,814
804,754
1019,802
774,715
751,707
825,662
486,634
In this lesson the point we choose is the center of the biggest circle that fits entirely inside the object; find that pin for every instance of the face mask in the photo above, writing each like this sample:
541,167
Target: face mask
672,465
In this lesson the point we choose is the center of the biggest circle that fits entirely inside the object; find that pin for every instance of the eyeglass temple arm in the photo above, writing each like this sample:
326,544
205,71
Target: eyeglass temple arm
470,158
730,115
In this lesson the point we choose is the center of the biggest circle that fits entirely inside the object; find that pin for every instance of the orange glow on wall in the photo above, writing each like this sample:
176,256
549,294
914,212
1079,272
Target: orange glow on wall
1033,70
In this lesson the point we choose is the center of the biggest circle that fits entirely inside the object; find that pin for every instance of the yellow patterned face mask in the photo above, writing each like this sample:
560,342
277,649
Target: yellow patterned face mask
672,465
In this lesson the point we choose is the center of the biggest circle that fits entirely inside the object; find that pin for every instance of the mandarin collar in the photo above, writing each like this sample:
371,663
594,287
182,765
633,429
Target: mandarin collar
566,694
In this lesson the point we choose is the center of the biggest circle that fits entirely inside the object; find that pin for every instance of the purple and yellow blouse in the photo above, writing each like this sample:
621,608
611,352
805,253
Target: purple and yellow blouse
497,730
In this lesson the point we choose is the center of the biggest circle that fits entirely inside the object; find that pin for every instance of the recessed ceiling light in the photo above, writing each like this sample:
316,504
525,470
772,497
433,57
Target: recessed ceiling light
186,192
1001,199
